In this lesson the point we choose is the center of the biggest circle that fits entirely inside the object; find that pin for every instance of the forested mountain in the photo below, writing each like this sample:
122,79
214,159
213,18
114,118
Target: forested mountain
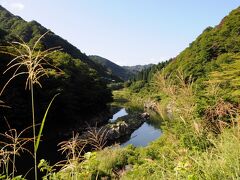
30,31
147,73
137,68
81,83
212,57
112,68
213,47
124,72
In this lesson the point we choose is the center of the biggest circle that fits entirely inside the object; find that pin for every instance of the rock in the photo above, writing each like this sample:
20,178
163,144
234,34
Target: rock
145,115
128,167
149,104
169,110
122,127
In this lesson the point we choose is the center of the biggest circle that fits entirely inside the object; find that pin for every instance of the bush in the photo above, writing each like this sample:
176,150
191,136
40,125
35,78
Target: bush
137,86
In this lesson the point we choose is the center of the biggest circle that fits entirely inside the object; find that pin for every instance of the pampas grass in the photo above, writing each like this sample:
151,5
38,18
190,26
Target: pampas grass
30,61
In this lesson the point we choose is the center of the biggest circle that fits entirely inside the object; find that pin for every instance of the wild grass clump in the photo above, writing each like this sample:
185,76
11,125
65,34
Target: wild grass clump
193,146
73,149
223,161
12,145
30,61
180,92
180,107
96,137
221,115
112,159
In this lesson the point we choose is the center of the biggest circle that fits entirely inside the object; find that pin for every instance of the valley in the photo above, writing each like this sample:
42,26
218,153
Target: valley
68,115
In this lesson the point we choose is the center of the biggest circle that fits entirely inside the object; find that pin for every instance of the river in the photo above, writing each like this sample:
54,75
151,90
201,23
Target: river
146,133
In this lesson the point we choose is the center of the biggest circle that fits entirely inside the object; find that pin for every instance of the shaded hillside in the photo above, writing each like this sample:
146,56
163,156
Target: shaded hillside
81,83
30,31
113,68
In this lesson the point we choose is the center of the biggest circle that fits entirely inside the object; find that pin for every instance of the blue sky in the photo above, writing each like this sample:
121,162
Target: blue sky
128,32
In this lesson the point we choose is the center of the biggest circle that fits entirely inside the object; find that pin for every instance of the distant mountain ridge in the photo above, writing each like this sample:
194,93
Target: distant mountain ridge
137,68
112,68
123,72
30,31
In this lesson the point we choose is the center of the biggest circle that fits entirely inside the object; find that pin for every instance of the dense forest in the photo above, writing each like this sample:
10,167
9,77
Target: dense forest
124,72
113,68
82,83
137,68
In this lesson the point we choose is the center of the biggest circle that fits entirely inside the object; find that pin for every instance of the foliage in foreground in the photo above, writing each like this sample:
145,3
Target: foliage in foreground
189,148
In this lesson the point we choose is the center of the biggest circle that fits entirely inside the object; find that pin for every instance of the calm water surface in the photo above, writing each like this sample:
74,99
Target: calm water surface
120,113
148,132
143,135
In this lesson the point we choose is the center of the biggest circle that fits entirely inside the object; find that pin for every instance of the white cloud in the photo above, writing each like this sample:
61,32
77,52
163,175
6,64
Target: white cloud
17,6
12,5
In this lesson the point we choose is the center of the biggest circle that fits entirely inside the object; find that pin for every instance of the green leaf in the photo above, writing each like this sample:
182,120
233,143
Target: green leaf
43,122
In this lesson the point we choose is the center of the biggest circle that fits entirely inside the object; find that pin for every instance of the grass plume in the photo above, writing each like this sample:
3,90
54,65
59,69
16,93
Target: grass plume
30,61
12,145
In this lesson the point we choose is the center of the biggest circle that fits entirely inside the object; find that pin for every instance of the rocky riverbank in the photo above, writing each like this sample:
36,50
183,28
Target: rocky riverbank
122,127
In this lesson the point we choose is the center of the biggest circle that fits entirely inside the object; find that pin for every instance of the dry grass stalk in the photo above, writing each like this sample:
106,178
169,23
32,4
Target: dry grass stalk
35,61
30,61
221,115
97,137
12,145
73,149
2,104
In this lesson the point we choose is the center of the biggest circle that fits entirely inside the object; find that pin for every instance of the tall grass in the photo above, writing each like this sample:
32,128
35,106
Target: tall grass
97,137
30,61
12,145
223,161
180,92
73,149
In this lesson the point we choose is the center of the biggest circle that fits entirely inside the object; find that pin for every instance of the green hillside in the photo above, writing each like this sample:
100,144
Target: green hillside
203,54
112,68
30,31
81,84
137,68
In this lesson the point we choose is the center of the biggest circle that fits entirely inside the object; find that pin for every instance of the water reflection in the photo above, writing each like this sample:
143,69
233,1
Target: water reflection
143,135
120,113
148,132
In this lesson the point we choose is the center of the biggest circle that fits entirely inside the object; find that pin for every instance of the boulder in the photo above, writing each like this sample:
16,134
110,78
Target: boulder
145,115
149,104
122,127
